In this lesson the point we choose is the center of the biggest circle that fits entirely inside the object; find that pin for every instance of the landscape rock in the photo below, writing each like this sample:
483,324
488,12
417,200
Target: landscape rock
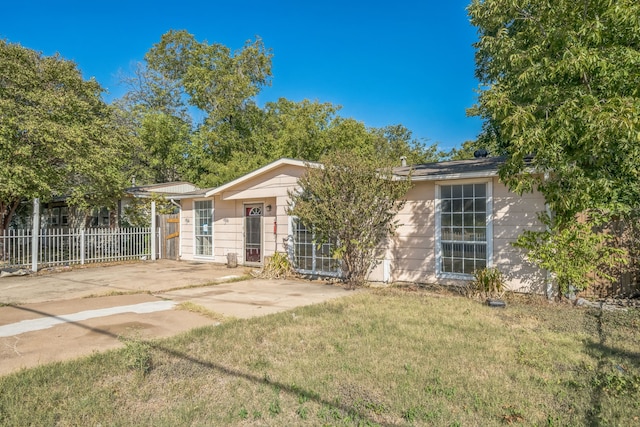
8,272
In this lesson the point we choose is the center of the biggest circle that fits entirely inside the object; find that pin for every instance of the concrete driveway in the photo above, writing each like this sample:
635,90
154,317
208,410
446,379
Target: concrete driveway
49,317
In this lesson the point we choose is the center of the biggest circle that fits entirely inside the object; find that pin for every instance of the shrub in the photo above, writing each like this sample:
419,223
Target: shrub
277,266
487,283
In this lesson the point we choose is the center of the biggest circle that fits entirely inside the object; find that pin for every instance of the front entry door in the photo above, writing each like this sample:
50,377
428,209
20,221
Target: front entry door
253,233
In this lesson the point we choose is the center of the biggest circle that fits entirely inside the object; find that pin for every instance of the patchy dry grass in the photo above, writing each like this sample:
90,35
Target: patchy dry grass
203,311
117,294
233,279
383,357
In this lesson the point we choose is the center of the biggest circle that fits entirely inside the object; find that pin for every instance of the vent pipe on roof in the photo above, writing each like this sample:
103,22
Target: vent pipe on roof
478,154
403,161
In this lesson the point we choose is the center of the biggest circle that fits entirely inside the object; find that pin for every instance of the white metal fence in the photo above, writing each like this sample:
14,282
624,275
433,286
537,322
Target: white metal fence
63,246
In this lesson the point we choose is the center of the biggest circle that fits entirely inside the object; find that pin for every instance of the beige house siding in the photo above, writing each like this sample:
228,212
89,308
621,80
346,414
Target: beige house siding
412,252
269,189
513,214
409,256
187,229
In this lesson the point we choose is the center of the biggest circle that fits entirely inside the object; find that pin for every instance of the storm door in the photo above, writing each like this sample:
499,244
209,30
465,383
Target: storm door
253,233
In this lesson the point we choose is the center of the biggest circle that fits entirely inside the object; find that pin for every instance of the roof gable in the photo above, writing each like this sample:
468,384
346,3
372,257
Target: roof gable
261,172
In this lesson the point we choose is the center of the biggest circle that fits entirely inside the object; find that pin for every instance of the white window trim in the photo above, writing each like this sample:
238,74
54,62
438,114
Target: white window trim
489,232
195,226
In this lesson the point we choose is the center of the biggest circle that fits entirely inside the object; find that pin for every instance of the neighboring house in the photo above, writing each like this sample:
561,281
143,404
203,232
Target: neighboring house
167,191
57,214
458,217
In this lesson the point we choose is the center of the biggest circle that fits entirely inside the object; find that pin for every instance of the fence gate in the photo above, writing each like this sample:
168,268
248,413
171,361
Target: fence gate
170,233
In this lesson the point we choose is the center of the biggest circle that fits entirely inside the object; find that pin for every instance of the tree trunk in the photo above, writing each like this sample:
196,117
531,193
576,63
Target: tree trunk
7,210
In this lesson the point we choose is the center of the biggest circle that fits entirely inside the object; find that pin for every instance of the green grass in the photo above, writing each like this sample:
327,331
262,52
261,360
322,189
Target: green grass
382,357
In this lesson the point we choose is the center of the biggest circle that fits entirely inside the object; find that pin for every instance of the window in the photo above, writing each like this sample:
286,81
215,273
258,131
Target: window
462,228
64,216
310,257
55,217
204,227
99,217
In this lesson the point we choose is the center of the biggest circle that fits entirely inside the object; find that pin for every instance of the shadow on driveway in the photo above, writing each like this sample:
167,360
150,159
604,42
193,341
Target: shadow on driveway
59,295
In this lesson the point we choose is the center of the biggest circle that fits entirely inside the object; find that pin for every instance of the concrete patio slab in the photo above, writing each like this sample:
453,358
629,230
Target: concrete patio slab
79,326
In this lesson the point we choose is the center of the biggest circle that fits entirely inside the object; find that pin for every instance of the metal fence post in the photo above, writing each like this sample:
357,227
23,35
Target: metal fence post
153,230
35,235
82,246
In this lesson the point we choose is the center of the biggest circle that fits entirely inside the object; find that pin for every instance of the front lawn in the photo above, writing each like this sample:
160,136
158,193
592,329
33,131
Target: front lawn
381,357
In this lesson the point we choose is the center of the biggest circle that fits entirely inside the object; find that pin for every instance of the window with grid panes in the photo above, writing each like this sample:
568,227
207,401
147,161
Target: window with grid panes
463,228
203,227
308,256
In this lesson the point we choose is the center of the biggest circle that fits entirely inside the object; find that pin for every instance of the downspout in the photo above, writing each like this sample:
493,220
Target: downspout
173,202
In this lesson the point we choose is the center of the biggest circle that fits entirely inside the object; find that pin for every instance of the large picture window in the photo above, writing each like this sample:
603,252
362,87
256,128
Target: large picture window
310,257
203,227
463,222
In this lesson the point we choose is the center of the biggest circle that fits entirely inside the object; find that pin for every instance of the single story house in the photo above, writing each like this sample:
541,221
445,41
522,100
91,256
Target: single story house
458,217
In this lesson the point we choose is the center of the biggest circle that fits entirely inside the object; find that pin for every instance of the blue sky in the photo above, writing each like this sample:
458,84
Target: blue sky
384,62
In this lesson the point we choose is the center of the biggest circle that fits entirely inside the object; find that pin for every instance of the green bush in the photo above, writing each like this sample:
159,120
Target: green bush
577,253
487,283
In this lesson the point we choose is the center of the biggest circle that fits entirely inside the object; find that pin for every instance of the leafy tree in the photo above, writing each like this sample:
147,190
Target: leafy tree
159,126
236,135
575,252
57,136
561,97
395,141
215,80
354,200
301,130
149,90
560,82
465,151
137,211
166,140
297,130
217,84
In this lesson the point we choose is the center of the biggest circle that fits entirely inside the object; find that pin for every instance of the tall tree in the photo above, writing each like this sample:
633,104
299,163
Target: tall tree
395,141
159,125
561,83
235,135
561,96
57,136
353,201
215,80
218,85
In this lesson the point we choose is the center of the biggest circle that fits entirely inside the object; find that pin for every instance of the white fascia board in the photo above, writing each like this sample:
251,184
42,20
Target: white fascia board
453,176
